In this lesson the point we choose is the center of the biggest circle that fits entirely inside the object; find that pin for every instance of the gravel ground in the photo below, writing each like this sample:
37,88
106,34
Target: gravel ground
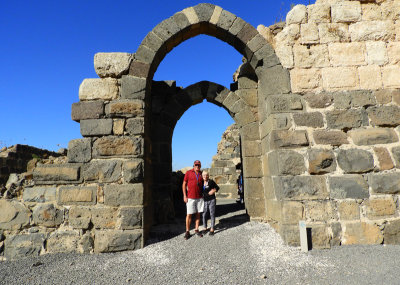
241,252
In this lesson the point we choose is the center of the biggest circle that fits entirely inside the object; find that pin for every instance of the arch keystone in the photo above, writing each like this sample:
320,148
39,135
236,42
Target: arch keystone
204,11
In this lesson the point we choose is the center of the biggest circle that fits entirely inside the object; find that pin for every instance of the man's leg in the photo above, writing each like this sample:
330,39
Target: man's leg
188,221
197,222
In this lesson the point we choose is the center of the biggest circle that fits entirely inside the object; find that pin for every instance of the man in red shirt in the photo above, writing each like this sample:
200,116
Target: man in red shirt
192,187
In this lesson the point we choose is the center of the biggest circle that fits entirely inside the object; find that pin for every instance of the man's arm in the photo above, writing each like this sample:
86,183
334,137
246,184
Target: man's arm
184,191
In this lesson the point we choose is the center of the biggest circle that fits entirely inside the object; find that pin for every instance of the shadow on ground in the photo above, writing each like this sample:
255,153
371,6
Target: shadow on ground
229,214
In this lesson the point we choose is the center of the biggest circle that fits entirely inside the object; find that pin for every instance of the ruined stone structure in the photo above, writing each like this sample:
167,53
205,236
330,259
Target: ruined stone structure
319,137
226,164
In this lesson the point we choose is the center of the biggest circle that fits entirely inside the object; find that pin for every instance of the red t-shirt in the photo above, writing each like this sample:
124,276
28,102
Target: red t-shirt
194,184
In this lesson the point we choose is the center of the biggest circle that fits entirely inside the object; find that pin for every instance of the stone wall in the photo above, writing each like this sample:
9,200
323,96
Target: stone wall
318,121
14,159
331,147
226,164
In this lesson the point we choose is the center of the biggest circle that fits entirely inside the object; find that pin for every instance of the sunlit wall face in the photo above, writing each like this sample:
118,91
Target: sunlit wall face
197,133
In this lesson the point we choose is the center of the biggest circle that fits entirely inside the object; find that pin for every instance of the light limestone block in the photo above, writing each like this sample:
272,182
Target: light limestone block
285,55
309,33
298,15
305,79
333,32
347,54
311,56
391,76
371,31
112,64
376,53
370,77
103,89
346,12
288,35
371,12
393,50
340,78
319,13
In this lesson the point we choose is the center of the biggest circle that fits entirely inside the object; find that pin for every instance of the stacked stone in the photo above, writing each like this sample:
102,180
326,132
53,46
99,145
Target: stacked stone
15,159
335,45
226,164
331,149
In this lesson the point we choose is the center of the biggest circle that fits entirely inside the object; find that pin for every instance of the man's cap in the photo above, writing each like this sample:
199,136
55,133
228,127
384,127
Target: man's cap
196,162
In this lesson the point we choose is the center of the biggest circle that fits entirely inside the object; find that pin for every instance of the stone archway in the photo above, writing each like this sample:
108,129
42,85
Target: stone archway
169,104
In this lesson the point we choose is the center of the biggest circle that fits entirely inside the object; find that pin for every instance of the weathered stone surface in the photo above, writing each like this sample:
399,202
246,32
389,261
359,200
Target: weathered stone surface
396,156
69,241
79,217
309,33
298,15
320,211
320,236
284,103
384,96
226,20
118,146
133,87
321,100
13,215
385,183
339,78
391,232
98,89
373,136
290,234
56,173
80,150
104,217
321,161
385,161
349,210
355,160
313,119
96,127
292,212
287,139
347,54
21,246
285,55
274,80
76,195
39,194
362,233
300,187
305,80
366,73
130,218
384,115
256,207
333,32
376,53
112,64
87,110
102,171
135,126
348,186
319,13
123,195
117,240
306,56
286,162
139,69
371,31
133,171
380,207
334,138
346,11
252,167
390,76
125,107
346,119
47,215
118,126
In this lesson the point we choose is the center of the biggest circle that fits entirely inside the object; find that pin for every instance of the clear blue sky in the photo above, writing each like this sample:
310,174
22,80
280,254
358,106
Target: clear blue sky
47,49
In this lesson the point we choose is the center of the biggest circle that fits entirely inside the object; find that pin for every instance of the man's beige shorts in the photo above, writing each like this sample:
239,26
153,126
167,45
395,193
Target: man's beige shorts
194,206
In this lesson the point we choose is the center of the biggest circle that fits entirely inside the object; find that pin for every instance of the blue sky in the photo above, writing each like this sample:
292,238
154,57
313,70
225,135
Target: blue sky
47,49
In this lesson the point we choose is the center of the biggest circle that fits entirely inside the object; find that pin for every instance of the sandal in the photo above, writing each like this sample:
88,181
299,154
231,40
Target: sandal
187,235
211,233
198,233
